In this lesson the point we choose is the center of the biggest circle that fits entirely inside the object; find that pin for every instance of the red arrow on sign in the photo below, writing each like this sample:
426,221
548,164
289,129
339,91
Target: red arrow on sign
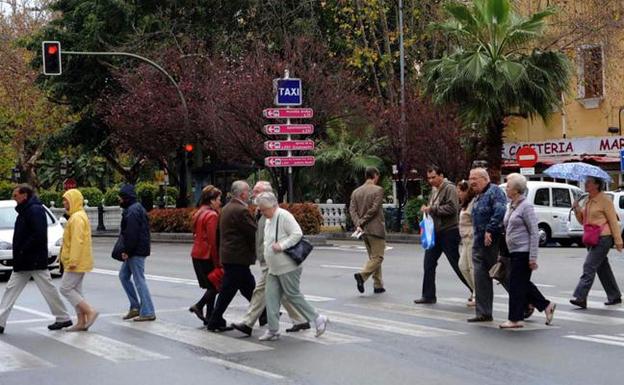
289,161
526,157
283,145
287,113
288,129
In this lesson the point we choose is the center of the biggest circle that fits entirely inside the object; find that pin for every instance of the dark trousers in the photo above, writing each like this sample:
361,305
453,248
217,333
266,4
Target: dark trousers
235,278
446,242
483,258
521,290
597,262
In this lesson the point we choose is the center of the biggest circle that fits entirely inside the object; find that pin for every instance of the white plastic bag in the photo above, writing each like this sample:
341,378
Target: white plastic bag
427,234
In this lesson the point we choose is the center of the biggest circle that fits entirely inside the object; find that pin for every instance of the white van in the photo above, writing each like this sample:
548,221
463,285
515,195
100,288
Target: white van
552,202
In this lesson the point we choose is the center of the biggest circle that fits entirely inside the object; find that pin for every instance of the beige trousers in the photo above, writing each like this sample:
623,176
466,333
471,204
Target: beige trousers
375,246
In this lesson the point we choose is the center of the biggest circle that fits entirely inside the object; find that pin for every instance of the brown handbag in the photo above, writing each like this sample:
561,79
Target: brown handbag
498,271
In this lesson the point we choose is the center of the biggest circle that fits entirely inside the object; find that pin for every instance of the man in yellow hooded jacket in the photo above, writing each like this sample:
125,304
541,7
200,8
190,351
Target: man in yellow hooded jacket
77,259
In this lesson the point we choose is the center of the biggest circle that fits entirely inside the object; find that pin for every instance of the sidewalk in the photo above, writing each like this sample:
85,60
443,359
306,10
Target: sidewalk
322,239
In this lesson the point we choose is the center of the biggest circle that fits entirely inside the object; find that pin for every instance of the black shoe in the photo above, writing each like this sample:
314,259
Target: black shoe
379,290
614,302
582,303
60,325
360,282
1,329
219,329
241,327
425,301
298,327
263,318
480,318
195,310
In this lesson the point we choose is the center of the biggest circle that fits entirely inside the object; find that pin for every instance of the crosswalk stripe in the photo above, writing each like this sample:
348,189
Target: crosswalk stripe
201,338
328,338
604,336
594,339
318,298
574,316
101,346
443,315
243,368
594,305
381,324
12,358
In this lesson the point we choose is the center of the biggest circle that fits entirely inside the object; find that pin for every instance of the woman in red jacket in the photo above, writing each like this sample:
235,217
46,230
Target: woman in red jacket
204,254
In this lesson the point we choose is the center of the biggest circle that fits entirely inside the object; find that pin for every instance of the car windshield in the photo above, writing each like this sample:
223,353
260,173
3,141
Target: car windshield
7,217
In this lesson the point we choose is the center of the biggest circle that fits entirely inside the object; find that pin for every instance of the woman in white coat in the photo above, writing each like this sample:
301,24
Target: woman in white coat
281,232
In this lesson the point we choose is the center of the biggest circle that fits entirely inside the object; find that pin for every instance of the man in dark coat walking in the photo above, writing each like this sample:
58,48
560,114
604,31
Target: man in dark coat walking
30,259
132,248
237,251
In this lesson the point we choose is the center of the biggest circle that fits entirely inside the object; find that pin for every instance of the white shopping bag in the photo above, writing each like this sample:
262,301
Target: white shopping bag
427,234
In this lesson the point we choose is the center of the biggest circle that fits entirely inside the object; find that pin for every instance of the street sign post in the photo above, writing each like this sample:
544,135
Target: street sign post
289,145
289,161
527,171
288,113
288,129
288,92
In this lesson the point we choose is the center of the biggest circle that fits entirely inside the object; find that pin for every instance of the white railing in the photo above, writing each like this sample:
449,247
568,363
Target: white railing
335,214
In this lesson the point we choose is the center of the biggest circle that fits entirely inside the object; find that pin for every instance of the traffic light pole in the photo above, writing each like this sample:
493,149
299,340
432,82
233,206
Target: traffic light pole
148,61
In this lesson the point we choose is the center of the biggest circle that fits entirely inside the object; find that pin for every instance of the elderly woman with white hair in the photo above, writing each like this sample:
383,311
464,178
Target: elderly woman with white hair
522,238
281,232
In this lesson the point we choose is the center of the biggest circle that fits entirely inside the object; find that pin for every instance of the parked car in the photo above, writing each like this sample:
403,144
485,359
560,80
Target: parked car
7,224
553,202
575,229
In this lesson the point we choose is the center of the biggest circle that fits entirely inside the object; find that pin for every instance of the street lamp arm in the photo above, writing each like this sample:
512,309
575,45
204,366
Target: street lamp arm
148,61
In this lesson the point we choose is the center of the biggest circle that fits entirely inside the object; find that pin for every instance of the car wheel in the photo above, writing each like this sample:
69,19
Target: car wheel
544,235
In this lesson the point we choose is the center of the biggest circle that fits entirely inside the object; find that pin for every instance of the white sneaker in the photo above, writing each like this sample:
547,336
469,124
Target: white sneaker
321,325
269,336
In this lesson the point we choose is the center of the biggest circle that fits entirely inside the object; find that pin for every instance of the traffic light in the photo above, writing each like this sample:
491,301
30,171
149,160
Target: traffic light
188,148
51,57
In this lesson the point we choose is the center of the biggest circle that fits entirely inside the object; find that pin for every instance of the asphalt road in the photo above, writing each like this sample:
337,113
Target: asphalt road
371,338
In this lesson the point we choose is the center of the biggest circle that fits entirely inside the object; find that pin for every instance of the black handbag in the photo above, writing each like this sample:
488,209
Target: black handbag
299,252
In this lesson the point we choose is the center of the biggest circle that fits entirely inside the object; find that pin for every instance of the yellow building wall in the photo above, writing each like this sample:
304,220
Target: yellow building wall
579,121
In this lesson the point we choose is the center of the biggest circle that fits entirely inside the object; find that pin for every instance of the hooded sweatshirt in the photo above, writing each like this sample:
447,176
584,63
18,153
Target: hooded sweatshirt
76,251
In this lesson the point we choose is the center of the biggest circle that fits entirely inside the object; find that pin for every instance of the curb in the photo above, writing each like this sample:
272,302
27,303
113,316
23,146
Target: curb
315,240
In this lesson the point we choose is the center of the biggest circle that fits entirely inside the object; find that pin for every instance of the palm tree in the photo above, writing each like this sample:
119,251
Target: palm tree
495,71
342,158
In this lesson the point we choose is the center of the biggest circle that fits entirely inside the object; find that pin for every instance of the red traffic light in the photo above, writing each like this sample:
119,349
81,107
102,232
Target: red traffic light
51,52
188,147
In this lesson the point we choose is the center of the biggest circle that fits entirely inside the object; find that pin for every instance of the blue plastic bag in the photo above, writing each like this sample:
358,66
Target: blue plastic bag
427,233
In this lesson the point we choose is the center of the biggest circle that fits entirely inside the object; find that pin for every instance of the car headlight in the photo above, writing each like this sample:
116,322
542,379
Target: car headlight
59,243
5,245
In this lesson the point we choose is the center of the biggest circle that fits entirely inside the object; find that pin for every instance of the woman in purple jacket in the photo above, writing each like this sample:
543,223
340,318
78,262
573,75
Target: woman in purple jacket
521,236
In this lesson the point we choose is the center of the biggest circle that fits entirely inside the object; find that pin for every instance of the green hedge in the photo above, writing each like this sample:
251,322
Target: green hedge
412,212
47,196
6,190
111,197
92,194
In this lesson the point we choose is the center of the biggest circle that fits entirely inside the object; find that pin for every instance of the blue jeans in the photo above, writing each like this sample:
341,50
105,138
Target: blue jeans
134,267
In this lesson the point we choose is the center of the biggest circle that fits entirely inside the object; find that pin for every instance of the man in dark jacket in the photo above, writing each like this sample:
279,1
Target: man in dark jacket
444,208
30,259
133,247
237,242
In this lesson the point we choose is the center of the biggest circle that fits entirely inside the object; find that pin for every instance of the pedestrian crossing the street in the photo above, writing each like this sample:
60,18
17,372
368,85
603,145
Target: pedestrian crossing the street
356,322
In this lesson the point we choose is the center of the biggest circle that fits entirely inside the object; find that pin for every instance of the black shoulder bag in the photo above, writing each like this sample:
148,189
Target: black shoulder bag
299,252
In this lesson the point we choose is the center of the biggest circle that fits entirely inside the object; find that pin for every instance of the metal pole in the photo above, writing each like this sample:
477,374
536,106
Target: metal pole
290,170
402,140
150,62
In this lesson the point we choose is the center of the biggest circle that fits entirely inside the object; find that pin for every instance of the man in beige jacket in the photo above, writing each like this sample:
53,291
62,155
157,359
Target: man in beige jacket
367,214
